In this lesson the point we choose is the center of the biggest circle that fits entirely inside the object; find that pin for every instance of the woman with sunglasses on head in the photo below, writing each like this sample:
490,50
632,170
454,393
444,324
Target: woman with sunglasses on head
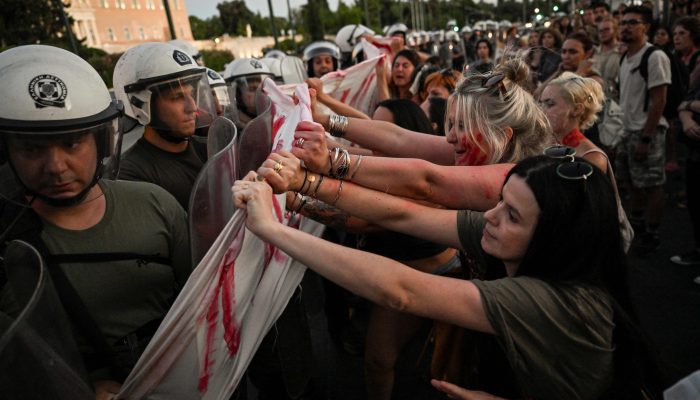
560,315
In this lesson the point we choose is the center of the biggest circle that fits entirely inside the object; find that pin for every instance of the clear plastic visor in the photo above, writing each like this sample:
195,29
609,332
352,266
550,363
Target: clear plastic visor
243,90
38,144
182,105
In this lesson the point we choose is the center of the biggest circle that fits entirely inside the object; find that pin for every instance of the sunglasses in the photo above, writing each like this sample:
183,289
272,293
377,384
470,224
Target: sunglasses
574,170
560,151
489,82
630,22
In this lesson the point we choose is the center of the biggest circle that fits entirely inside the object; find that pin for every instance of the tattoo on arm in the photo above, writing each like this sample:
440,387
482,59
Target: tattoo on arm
325,214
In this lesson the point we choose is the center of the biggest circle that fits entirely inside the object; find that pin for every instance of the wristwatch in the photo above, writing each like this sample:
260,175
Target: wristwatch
645,139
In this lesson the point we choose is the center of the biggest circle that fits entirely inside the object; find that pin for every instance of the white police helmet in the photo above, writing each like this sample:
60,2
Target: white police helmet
349,35
189,49
243,77
148,71
50,92
219,91
322,47
275,66
397,28
278,54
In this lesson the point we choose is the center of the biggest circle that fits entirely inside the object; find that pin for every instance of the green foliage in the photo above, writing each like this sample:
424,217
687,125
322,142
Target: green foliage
204,29
217,59
31,22
104,65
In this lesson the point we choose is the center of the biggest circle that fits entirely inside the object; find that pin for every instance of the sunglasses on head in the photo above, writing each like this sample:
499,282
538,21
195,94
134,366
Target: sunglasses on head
574,170
489,82
560,151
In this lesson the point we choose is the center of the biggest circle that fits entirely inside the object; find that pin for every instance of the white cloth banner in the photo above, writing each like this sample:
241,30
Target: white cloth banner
230,301
355,86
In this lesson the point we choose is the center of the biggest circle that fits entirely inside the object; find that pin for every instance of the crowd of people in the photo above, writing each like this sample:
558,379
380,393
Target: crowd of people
479,195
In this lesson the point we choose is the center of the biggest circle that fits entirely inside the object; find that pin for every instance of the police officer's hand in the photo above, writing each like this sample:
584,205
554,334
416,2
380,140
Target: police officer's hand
313,149
282,171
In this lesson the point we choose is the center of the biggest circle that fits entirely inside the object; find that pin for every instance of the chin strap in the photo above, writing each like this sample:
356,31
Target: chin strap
170,137
62,203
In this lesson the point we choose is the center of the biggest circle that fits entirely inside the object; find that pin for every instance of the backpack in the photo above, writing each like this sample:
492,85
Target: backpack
679,80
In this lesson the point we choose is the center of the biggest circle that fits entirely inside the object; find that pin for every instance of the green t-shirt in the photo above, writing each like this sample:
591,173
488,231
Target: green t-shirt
124,295
557,339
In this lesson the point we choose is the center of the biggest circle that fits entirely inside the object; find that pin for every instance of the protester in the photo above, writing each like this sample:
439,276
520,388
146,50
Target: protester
584,290
321,58
641,161
403,71
571,103
484,58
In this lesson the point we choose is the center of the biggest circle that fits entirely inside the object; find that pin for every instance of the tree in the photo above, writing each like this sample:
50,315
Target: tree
203,29
31,22
234,16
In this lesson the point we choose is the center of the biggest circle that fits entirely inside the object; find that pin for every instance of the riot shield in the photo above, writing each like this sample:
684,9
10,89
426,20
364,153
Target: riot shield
211,205
293,70
256,140
38,355
222,132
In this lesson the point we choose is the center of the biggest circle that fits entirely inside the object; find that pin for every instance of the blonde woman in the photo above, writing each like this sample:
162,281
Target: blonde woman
490,119
571,104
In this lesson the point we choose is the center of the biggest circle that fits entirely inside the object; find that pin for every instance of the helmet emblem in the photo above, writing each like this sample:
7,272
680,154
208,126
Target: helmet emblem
48,91
213,75
256,64
181,58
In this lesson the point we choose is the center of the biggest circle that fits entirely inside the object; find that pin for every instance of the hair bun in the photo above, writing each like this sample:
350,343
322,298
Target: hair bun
515,69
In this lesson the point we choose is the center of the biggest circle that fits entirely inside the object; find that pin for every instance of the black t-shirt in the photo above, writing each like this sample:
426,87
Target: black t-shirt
174,172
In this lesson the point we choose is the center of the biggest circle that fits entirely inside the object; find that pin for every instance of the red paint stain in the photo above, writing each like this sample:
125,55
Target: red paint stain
573,138
276,126
345,95
226,288
473,155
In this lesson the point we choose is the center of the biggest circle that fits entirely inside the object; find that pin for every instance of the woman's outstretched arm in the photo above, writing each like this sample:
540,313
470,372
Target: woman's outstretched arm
376,278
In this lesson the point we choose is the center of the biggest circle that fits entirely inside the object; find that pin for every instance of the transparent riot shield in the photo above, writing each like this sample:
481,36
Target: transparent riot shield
293,70
211,205
256,140
38,355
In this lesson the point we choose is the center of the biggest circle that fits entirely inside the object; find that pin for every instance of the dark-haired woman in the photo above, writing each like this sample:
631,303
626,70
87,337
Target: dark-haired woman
403,71
561,313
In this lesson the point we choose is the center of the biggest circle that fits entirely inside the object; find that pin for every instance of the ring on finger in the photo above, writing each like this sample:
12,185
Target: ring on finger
299,142
278,167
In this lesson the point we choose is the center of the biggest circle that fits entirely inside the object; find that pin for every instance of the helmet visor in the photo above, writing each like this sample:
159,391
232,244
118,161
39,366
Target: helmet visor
243,90
181,105
30,148
222,101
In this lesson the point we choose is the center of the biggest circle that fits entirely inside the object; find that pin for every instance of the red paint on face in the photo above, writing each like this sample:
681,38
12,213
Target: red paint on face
573,138
473,155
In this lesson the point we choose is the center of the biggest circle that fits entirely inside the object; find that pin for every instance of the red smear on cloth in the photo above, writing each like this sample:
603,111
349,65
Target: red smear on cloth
344,97
232,335
365,84
573,138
